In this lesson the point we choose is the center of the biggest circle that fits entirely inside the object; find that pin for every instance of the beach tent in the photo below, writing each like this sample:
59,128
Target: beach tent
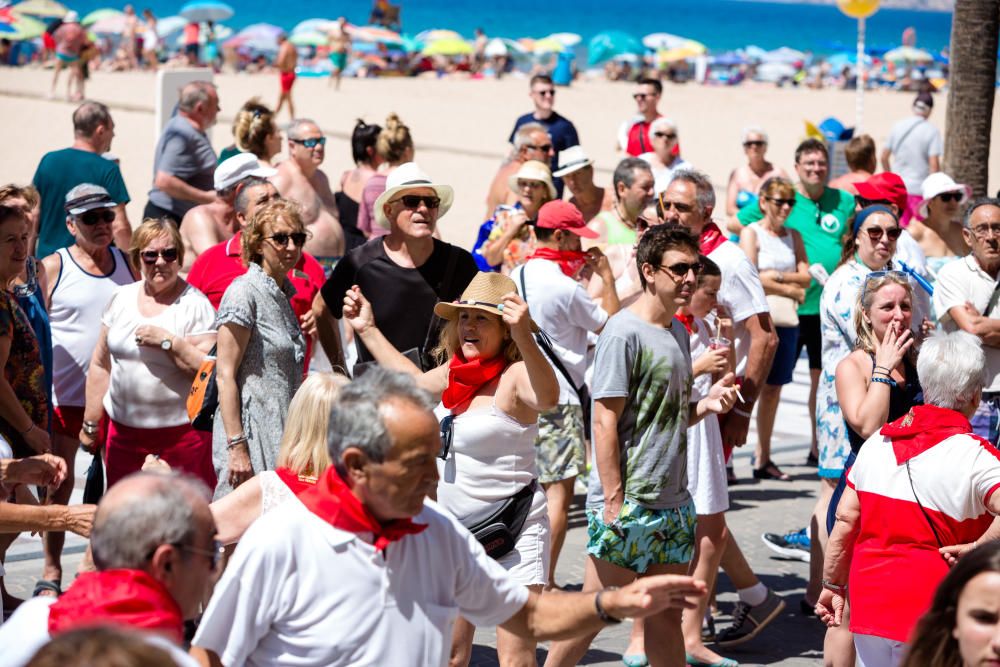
448,47
203,11
45,9
610,43
99,15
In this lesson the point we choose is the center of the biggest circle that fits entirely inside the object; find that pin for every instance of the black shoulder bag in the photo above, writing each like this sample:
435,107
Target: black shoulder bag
499,531
927,517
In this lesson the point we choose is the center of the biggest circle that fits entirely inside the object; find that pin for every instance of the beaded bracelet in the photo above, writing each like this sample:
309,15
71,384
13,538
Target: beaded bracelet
883,381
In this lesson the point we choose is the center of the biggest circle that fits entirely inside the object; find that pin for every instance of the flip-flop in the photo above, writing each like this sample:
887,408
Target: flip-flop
43,586
637,660
724,662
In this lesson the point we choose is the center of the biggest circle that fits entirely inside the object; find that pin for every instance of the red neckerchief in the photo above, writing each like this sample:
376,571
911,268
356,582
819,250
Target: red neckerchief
466,378
294,481
124,597
570,261
711,238
923,427
686,320
331,500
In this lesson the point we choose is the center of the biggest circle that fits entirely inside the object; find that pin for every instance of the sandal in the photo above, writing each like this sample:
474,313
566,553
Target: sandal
46,588
770,471
637,660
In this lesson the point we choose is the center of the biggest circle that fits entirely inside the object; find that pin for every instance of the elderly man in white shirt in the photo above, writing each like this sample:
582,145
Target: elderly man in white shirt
366,571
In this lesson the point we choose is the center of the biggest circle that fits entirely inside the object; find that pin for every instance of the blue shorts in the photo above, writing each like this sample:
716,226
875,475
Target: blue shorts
785,357
641,537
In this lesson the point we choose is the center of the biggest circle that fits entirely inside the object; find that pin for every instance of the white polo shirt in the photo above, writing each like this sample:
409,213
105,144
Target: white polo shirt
300,592
964,280
742,295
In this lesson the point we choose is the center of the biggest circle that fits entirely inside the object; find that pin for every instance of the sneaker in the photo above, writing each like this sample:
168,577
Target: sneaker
794,544
749,621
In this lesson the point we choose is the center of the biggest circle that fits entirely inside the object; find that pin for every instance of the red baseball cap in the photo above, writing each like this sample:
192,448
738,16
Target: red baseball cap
559,214
885,186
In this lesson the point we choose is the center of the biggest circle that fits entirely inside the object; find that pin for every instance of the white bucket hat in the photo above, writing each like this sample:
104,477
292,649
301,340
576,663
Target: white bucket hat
572,159
533,170
939,183
235,169
409,176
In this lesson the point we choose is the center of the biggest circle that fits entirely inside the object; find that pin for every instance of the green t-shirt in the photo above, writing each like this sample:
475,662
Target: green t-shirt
822,227
58,173
228,152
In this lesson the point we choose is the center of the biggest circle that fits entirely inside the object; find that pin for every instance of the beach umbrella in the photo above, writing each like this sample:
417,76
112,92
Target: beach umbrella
46,9
568,39
754,52
610,43
689,49
448,47
435,34
548,45
99,15
309,39
772,72
313,25
728,59
784,55
203,11
908,54
24,27
109,25
257,37
661,41
170,24
501,46
374,33
219,33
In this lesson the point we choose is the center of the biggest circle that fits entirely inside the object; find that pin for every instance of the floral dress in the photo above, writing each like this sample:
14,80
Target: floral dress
520,248
24,371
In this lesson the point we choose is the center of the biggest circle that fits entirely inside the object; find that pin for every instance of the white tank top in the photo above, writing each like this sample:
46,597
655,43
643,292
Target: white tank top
492,457
774,252
78,301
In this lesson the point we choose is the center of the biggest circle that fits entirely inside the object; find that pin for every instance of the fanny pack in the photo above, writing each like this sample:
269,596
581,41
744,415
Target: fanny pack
499,531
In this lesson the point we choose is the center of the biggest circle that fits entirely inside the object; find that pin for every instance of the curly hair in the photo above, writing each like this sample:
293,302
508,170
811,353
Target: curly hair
261,222
253,124
394,140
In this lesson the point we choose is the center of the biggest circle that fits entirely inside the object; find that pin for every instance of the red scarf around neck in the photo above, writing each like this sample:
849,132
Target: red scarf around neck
570,261
686,320
123,597
466,378
294,481
331,500
711,238
923,427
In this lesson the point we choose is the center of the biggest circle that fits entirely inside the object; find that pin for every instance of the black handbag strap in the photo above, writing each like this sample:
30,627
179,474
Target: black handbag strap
937,538
993,300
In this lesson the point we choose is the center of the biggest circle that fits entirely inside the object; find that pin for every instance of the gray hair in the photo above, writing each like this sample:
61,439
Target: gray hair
752,129
625,172
126,534
952,369
193,94
243,197
523,135
662,122
357,418
295,130
704,192
976,203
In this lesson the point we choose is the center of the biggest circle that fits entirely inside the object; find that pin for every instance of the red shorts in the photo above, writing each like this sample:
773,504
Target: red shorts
181,446
67,420
287,79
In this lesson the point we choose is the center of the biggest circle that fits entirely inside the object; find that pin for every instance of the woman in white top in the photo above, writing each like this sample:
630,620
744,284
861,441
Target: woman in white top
494,381
154,335
780,257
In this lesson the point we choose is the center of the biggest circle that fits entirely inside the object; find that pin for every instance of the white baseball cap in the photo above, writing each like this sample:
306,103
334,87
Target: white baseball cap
235,169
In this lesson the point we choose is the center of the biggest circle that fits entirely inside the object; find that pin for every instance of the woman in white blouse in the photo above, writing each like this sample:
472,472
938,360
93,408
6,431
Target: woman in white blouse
154,335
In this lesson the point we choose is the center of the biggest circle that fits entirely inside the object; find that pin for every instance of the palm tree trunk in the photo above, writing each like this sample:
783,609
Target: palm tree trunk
974,32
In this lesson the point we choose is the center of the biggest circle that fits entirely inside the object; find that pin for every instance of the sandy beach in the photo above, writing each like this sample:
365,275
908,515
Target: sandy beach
460,126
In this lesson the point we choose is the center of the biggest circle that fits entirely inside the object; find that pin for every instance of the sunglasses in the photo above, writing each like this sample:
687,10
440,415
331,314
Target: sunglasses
281,239
310,143
875,233
149,257
875,275
413,201
950,196
549,92
665,135
680,270
754,144
781,202
93,217
545,148
447,436
642,96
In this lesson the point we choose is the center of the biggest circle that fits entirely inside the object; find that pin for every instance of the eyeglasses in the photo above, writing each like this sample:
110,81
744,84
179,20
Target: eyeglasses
950,196
876,275
679,207
311,142
665,135
413,201
875,233
91,218
986,231
447,435
545,148
754,144
215,553
548,92
680,270
149,257
777,201
281,239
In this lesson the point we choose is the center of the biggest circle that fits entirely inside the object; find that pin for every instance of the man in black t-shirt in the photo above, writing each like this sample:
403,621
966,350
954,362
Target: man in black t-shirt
404,274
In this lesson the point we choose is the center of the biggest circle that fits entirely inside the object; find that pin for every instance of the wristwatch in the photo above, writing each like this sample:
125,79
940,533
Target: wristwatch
90,427
167,344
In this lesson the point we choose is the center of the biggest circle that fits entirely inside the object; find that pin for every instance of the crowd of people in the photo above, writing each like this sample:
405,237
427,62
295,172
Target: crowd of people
623,336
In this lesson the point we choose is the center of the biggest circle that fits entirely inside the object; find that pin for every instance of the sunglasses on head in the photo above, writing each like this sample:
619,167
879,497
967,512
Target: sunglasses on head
777,201
875,275
665,135
950,196
413,201
754,143
281,238
149,257
312,142
875,233
94,217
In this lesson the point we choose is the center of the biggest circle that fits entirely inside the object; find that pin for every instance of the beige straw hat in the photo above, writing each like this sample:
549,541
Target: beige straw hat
533,170
483,293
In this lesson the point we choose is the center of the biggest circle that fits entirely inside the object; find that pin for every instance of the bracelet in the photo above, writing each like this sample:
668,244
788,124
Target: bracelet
240,439
28,430
601,613
742,413
883,381
839,589
887,370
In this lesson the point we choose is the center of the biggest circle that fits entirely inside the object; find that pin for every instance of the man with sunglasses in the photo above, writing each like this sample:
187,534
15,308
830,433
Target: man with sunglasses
560,129
154,547
966,296
633,135
531,142
300,179
663,158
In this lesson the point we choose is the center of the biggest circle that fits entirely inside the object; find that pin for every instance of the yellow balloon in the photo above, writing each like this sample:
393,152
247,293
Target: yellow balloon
858,9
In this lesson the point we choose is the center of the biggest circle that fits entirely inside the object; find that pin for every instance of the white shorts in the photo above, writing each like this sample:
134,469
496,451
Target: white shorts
878,651
706,467
528,563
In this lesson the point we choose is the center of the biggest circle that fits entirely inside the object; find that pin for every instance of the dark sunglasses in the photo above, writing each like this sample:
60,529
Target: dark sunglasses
665,135
413,201
311,143
950,196
447,435
751,144
149,257
680,270
549,92
777,201
642,96
94,217
545,148
281,238
875,233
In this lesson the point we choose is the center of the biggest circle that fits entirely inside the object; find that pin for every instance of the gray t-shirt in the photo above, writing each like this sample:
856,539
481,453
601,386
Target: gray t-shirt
913,141
651,367
186,153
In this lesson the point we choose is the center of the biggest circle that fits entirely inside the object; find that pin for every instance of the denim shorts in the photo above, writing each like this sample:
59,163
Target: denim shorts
641,537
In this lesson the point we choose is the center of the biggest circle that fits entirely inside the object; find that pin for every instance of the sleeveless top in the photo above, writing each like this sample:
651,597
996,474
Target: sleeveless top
901,399
618,232
492,457
77,304
775,253
347,211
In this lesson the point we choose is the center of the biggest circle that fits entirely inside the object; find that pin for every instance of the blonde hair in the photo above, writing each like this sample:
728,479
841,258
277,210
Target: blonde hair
863,304
253,124
448,343
261,221
150,229
304,444
26,192
394,140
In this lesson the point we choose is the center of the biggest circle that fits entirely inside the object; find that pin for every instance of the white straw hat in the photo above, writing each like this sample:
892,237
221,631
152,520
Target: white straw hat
939,183
409,176
572,159
533,170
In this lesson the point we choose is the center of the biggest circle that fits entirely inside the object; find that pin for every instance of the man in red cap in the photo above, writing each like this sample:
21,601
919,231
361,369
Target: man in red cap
550,281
